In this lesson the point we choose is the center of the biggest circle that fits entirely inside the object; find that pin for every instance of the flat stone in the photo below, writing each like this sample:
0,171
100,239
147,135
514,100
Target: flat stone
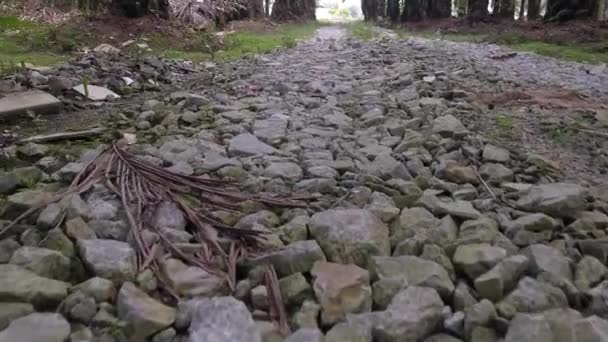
108,259
532,296
341,289
192,281
460,209
496,154
448,126
221,319
291,172
413,314
96,93
245,145
476,259
413,271
44,262
526,327
47,327
11,311
350,235
306,335
100,289
36,101
555,199
501,278
548,259
299,256
145,315
19,284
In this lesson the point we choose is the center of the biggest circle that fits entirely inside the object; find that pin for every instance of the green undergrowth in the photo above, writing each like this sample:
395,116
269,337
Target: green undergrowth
208,46
23,43
594,52
26,43
362,30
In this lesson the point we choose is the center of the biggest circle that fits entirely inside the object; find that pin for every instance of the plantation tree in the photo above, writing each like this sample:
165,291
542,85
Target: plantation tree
294,10
392,10
477,8
505,8
370,9
438,8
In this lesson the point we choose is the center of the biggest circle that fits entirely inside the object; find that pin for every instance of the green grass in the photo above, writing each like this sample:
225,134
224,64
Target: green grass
594,53
362,30
239,44
26,42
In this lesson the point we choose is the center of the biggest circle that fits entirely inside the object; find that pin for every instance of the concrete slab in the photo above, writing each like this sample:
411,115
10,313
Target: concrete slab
96,93
36,101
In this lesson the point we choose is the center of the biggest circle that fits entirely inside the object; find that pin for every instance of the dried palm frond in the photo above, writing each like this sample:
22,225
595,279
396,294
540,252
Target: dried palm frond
142,187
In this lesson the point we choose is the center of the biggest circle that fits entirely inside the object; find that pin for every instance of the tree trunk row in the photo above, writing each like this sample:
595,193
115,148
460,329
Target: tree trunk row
283,10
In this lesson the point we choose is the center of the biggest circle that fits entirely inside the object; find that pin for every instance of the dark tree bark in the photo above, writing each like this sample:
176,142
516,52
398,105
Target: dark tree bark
478,8
381,8
522,9
505,8
533,9
370,9
461,7
255,9
139,8
267,7
294,10
392,10
412,11
439,8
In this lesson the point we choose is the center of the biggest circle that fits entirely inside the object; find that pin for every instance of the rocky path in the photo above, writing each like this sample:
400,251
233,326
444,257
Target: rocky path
441,216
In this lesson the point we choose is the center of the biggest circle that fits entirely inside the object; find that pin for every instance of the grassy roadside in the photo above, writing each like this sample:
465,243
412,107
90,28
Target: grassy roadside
23,42
238,44
594,53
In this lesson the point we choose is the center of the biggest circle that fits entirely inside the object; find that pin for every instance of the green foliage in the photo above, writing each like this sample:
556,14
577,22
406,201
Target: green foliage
362,30
343,12
233,46
594,53
504,122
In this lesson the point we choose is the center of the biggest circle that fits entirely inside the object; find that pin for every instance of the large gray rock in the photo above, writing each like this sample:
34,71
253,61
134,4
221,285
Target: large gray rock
221,319
481,314
297,257
19,284
476,259
589,272
11,311
44,262
100,289
109,259
145,315
306,335
501,278
532,296
47,327
591,329
413,271
448,126
414,313
548,259
496,154
344,332
287,171
527,327
386,167
191,281
350,235
271,130
246,144
341,289
555,199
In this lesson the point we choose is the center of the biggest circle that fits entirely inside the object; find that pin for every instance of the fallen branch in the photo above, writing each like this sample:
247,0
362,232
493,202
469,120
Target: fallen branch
43,138
142,187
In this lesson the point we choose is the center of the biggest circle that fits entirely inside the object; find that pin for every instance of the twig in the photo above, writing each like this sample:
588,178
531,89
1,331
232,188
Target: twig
483,182
277,308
